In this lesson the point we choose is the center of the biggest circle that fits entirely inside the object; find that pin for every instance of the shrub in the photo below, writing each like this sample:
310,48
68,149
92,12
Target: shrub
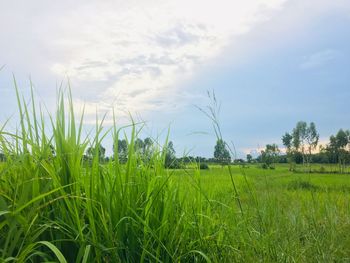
264,166
322,169
204,166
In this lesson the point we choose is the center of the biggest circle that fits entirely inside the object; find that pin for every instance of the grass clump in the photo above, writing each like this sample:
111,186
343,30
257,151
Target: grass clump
54,205
302,185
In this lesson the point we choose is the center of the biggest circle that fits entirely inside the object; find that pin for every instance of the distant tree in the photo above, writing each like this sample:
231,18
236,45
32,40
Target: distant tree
139,146
304,141
239,161
221,153
269,155
91,152
170,157
312,138
120,147
287,140
148,143
299,138
323,156
338,147
249,158
147,149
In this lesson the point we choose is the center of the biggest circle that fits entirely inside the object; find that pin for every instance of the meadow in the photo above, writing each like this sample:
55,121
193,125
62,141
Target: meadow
57,207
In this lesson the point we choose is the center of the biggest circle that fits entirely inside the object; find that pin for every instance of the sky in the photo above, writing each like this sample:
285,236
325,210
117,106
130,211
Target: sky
270,64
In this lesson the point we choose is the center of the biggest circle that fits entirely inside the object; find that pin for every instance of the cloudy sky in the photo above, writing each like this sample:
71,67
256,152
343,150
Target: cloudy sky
271,63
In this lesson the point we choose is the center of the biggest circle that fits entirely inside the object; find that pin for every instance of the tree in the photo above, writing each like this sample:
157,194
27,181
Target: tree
299,138
139,146
338,147
287,140
312,138
147,149
249,158
170,157
148,143
91,152
269,155
221,153
122,150
304,141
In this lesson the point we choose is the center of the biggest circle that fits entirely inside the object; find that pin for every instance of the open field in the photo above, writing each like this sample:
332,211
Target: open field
58,205
277,216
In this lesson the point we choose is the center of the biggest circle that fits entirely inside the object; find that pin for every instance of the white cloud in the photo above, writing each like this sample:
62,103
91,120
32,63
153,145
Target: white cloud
319,59
136,52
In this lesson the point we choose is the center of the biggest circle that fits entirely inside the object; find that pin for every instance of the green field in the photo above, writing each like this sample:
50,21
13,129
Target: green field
277,216
55,206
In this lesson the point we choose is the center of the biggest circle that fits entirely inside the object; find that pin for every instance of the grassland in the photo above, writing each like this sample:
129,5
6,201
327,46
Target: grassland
55,207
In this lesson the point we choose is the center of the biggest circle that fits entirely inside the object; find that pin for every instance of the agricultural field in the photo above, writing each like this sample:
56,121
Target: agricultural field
53,207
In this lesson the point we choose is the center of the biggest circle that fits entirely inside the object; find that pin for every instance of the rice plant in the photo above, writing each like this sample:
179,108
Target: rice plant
55,205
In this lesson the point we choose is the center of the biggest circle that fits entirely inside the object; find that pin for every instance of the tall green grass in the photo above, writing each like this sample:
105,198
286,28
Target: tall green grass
55,206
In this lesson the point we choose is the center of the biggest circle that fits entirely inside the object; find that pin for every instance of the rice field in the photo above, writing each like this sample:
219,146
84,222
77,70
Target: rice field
57,207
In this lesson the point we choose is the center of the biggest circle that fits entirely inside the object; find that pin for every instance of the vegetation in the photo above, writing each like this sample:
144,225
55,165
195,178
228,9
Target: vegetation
269,156
221,153
62,200
303,140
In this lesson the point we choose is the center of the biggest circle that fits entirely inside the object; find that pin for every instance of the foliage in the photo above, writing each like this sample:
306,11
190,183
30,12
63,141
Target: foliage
204,166
55,208
221,153
120,150
339,148
303,140
269,156
170,157
249,158
99,152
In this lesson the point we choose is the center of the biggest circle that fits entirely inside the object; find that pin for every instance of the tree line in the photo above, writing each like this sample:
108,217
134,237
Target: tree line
302,147
145,148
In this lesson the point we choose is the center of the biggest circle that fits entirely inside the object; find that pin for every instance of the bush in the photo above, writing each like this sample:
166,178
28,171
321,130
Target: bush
175,164
204,166
264,166
322,169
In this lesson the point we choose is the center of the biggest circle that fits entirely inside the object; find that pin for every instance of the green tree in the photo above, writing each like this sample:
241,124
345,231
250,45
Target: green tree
91,152
139,146
338,147
287,140
305,140
148,143
312,138
221,153
122,150
249,158
170,156
299,138
269,155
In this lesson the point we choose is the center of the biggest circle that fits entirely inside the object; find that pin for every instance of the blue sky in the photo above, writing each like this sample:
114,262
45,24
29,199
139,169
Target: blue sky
271,63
